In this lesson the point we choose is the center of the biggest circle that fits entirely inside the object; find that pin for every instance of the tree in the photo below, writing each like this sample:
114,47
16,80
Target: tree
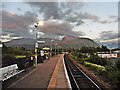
89,50
104,48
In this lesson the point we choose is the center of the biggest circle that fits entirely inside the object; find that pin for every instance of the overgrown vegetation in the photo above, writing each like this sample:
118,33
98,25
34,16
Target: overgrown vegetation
16,55
110,72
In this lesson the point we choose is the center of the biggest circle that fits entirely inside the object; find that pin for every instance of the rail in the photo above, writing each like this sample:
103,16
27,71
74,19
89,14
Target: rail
79,80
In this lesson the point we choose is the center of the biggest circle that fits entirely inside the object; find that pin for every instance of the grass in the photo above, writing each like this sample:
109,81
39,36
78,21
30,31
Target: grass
95,66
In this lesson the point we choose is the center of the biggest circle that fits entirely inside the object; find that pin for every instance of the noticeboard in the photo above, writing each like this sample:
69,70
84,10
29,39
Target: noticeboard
41,52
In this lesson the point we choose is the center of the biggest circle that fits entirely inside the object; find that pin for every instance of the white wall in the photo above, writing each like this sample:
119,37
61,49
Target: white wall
108,55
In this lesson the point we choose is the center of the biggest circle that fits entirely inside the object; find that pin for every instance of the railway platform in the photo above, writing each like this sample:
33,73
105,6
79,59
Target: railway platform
47,75
59,78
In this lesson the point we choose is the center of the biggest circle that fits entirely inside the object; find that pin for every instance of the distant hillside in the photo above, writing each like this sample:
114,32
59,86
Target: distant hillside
77,42
27,43
66,42
30,43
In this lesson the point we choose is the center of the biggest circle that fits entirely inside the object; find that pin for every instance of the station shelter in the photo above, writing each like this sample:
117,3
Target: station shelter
46,52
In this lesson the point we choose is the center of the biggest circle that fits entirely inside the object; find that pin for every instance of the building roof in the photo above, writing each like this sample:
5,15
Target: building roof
115,49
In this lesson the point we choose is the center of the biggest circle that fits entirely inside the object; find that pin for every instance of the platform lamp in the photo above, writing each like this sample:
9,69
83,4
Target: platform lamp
41,23
56,48
51,46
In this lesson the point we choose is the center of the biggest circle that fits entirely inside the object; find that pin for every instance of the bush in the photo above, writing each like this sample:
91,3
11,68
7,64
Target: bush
118,64
98,60
86,59
28,54
8,59
81,61
118,80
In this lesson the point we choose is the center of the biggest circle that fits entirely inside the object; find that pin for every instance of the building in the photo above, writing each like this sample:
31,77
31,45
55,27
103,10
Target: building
108,55
114,53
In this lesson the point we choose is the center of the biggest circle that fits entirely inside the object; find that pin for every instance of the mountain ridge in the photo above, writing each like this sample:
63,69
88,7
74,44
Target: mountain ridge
66,42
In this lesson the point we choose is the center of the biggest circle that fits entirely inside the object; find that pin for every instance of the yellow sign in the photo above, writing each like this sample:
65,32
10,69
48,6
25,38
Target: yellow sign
45,48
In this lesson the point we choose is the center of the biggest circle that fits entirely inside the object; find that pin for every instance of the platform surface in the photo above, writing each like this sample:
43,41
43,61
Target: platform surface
58,79
44,75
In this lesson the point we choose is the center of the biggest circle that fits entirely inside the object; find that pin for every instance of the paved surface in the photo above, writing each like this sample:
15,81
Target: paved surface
58,79
40,77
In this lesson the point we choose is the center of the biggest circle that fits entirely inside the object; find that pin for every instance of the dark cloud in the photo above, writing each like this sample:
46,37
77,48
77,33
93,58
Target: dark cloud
87,15
74,19
57,10
110,44
14,21
106,35
19,32
50,10
109,38
95,18
60,28
18,24
68,11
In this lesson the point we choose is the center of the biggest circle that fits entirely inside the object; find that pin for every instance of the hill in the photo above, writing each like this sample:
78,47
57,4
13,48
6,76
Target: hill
66,42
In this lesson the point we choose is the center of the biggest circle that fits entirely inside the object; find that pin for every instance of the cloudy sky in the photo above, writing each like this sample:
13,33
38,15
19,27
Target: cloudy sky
95,20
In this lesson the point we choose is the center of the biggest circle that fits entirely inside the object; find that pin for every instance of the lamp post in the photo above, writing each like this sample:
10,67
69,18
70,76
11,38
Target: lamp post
51,46
58,49
55,49
36,43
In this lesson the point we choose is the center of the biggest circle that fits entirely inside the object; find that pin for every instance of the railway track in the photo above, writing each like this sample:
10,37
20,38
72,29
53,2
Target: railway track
79,80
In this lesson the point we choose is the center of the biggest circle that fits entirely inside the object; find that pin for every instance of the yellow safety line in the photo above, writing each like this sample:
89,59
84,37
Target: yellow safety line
53,81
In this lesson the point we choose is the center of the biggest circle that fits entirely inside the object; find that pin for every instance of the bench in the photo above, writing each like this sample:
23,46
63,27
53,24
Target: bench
9,71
